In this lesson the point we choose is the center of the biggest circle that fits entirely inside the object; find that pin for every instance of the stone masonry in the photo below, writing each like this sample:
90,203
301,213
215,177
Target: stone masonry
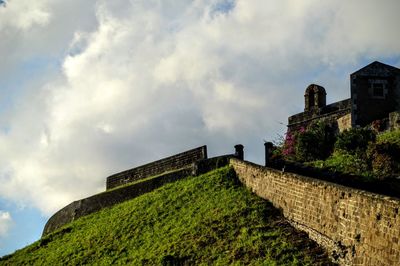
374,94
120,194
110,198
355,226
171,163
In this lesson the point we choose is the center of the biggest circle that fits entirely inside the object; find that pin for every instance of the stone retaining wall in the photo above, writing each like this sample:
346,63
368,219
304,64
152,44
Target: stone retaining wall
109,198
356,227
117,195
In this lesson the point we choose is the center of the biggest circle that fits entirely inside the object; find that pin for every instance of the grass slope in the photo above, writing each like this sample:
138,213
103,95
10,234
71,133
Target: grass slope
209,219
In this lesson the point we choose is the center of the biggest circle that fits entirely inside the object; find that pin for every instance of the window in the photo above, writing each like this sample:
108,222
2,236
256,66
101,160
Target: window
311,99
377,89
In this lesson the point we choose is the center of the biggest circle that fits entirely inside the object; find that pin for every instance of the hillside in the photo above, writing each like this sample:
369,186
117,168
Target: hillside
209,219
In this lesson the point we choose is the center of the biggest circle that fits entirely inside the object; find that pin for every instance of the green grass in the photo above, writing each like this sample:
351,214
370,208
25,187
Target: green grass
142,180
209,219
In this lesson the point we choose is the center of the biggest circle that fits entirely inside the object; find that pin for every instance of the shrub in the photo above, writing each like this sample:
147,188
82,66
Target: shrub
344,162
355,140
384,158
389,137
316,143
289,144
382,166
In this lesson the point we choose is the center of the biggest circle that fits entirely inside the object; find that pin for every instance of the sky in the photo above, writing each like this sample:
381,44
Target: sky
91,88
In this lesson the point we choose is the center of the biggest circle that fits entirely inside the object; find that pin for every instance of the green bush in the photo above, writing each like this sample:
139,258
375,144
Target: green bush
344,162
384,158
357,151
316,143
389,137
382,166
355,140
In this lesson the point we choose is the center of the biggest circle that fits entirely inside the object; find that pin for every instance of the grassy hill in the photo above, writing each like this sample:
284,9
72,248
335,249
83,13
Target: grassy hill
209,219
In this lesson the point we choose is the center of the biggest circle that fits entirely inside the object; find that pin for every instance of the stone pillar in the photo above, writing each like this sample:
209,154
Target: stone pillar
239,151
268,152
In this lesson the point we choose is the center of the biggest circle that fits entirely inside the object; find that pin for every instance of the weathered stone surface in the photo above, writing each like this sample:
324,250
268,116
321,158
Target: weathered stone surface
155,168
374,91
355,226
207,165
329,114
314,98
109,198
344,122
394,120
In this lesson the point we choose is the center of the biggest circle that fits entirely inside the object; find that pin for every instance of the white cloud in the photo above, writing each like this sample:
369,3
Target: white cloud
5,223
24,14
143,79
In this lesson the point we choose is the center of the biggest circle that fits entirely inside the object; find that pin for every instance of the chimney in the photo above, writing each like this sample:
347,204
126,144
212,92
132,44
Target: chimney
268,152
239,151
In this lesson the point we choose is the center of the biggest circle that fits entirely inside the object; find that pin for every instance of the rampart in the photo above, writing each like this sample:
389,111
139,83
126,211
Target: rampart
109,198
355,226
329,113
120,194
157,167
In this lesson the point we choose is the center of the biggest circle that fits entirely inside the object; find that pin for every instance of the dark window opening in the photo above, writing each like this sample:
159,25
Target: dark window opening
377,89
311,100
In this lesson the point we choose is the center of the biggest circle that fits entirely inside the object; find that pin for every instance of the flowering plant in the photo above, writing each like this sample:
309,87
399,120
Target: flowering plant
290,142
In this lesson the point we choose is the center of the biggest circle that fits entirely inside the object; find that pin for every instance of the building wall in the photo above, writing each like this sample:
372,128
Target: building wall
356,227
329,114
366,106
155,168
344,122
394,120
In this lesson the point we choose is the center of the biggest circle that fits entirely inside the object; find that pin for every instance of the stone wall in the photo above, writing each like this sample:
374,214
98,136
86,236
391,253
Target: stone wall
344,122
375,92
328,114
117,195
356,227
109,198
167,164
394,120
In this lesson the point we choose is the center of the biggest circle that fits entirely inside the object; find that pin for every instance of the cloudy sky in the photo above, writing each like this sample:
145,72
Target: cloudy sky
89,88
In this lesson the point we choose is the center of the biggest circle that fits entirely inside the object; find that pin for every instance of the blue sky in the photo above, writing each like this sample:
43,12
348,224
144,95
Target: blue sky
89,88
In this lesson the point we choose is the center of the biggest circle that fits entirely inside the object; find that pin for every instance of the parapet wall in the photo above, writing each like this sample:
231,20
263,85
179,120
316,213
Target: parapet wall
356,227
155,168
329,114
110,198
118,195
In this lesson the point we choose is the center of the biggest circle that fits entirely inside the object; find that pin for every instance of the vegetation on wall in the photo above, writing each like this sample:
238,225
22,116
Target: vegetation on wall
358,151
203,220
309,144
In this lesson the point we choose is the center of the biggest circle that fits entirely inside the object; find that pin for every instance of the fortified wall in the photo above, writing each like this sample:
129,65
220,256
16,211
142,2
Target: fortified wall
167,170
355,226
167,164
109,198
374,95
337,114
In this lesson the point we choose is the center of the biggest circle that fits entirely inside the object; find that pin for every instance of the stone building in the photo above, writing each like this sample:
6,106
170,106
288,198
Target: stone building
375,95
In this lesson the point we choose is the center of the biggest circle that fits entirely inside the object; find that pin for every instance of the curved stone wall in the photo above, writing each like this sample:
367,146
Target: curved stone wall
109,198
117,195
